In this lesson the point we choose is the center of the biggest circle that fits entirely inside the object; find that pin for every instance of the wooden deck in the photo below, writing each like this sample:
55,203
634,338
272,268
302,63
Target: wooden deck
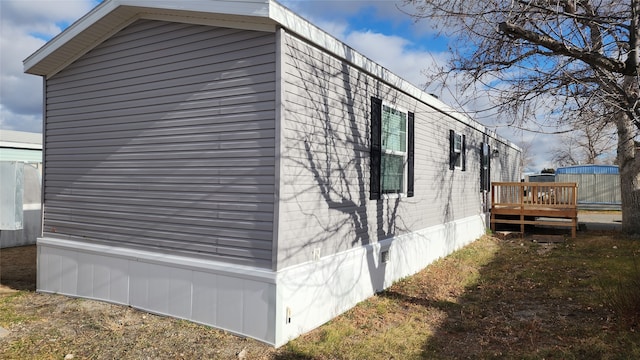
529,203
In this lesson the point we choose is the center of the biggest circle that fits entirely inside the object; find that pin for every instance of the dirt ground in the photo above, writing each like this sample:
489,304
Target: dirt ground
17,269
100,330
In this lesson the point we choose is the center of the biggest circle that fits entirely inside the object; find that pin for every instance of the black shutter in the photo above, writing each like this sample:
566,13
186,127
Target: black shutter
410,152
488,181
452,151
485,167
376,148
483,173
464,153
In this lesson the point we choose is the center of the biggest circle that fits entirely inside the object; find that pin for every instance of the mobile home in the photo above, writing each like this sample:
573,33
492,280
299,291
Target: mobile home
230,163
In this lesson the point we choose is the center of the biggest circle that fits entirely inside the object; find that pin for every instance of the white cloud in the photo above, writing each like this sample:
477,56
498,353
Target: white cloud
394,53
23,24
22,122
43,15
338,29
389,11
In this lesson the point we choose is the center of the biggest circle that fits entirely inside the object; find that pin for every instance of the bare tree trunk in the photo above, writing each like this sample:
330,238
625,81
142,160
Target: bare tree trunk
630,169
630,187
629,175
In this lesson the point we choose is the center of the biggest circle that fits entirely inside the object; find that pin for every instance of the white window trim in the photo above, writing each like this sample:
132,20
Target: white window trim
405,154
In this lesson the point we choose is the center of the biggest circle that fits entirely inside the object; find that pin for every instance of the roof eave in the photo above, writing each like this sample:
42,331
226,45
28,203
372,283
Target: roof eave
112,16
33,63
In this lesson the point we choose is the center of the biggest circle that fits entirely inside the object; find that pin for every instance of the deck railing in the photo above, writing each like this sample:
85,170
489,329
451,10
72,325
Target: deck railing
530,200
534,194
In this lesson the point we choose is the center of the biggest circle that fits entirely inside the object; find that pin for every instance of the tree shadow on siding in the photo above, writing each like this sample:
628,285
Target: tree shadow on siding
180,161
331,146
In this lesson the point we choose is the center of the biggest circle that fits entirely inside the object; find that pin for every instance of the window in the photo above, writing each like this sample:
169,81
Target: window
392,147
457,151
394,150
485,167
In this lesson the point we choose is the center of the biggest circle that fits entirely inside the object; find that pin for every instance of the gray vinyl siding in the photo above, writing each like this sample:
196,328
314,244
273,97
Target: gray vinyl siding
324,190
507,163
162,138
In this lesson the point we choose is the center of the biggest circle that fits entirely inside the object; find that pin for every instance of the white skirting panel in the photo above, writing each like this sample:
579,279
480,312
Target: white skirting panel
258,303
234,298
313,293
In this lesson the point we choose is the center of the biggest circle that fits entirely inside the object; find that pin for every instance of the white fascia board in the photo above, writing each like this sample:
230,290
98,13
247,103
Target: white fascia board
257,8
296,24
508,143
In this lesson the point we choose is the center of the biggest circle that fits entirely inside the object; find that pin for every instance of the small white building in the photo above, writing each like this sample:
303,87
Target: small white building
230,163
25,147
20,176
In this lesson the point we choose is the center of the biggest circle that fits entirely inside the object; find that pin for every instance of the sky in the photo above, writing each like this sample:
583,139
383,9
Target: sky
379,29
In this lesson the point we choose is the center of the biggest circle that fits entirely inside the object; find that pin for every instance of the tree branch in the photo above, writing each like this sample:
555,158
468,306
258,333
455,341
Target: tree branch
594,59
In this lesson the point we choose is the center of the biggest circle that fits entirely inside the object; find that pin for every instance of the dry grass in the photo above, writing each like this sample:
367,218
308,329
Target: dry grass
623,295
493,299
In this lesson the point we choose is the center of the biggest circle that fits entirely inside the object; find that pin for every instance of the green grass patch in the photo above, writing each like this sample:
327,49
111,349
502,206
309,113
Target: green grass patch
8,313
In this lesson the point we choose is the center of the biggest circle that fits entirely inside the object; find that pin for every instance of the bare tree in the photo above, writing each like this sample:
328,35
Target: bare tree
590,142
525,157
564,154
561,56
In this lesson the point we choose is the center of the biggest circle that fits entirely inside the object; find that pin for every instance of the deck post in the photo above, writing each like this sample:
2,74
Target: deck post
493,216
521,192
